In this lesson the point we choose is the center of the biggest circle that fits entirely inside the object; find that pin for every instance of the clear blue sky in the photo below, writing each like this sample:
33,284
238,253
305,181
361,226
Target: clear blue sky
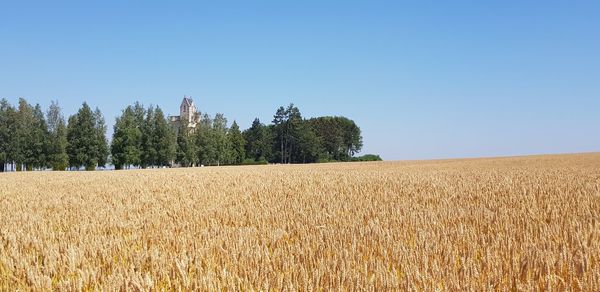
423,79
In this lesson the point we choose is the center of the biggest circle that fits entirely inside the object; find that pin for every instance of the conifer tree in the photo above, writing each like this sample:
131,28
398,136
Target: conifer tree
57,144
24,134
37,146
258,141
86,137
7,131
236,144
100,134
126,144
72,151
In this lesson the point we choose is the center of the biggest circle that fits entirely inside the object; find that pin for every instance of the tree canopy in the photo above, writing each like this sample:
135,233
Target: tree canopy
86,139
144,137
31,139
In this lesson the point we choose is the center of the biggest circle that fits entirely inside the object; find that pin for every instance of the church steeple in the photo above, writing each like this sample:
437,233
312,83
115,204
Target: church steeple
188,115
187,110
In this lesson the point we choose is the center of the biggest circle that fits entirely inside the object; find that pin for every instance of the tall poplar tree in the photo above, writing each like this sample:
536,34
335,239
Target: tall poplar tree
7,133
24,133
204,144
186,150
148,153
163,139
39,140
102,142
219,139
57,144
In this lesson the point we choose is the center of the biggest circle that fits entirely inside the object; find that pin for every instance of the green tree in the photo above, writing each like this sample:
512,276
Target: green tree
7,131
308,146
57,144
186,150
126,146
332,140
205,147
340,137
288,126
139,112
219,139
281,135
38,145
102,142
72,137
86,138
258,141
148,154
163,139
237,144
24,131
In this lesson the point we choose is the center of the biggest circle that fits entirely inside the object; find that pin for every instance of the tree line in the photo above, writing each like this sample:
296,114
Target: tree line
141,134
143,137
32,140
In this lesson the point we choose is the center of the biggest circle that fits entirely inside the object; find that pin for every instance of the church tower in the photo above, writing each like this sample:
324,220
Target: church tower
188,115
187,110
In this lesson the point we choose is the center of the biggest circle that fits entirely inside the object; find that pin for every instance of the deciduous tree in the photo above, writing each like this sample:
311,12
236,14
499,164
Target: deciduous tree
163,139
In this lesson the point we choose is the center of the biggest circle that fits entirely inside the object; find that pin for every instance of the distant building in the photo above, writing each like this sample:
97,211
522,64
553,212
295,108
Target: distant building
188,115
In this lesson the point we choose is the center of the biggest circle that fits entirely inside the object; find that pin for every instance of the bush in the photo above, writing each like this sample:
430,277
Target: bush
367,157
250,161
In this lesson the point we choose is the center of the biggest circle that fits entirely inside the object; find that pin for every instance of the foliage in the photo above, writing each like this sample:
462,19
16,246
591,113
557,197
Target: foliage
186,148
236,144
7,130
258,141
367,157
297,140
86,138
163,139
143,137
126,147
250,161
290,129
340,137
219,140
57,131
100,135
148,156
205,150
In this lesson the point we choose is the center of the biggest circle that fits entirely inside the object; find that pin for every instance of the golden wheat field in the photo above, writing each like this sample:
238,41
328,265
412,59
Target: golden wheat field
523,223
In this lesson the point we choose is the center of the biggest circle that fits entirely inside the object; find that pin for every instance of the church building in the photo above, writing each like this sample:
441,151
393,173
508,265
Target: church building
188,115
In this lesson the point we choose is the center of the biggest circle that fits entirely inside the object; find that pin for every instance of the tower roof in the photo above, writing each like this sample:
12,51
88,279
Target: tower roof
188,100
